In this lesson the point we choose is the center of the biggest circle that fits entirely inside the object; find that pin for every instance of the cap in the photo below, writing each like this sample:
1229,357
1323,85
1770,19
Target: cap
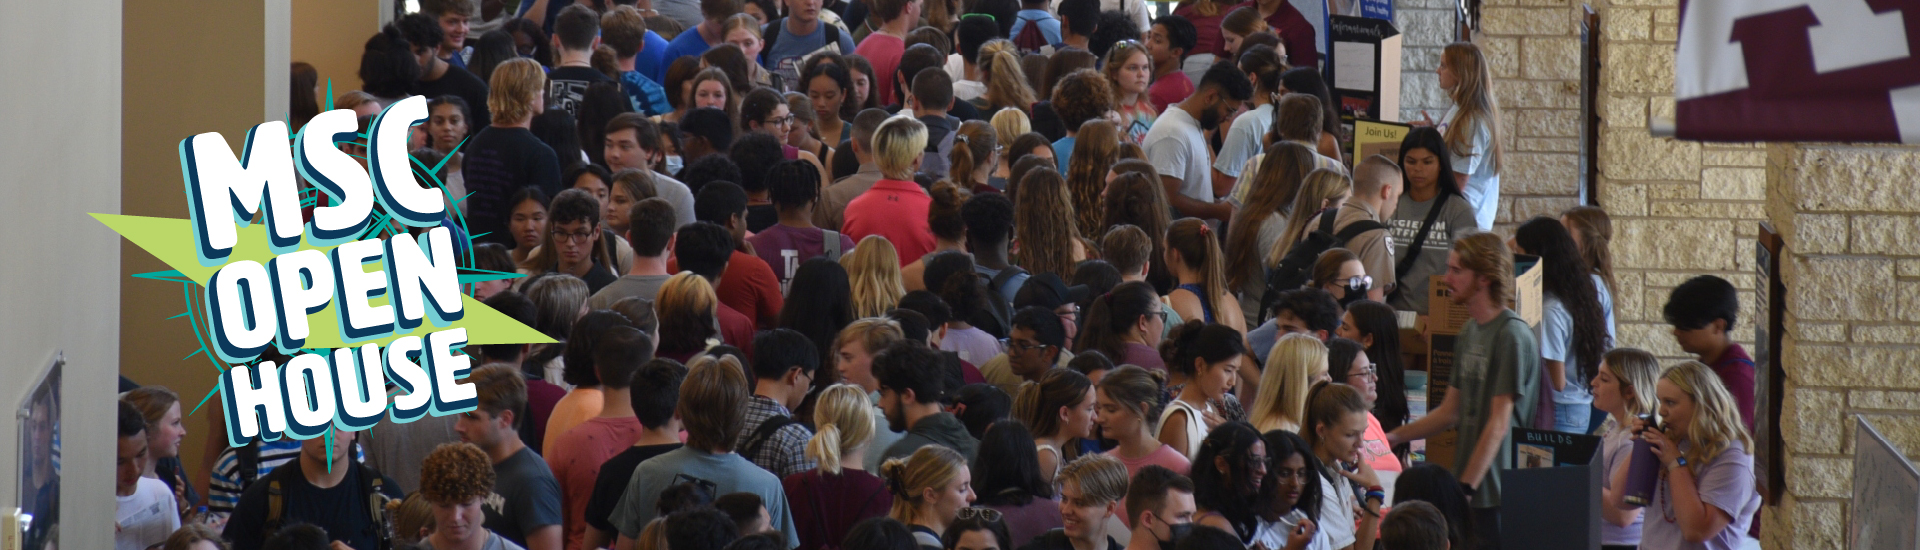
1048,291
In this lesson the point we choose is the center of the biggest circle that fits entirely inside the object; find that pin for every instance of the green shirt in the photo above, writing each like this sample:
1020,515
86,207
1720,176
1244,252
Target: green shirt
1490,360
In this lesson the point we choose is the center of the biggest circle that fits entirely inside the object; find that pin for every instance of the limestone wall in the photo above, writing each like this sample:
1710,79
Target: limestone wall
1534,49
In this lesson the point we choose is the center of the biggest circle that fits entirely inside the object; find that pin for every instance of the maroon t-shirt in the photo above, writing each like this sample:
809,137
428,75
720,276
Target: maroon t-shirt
1295,31
784,248
1735,368
541,396
826,506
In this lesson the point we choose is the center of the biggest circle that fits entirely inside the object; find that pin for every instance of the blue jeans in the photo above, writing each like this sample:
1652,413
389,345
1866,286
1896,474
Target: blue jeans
1572,418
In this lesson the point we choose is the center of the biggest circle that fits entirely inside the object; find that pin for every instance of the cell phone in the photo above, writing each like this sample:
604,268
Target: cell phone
1300,528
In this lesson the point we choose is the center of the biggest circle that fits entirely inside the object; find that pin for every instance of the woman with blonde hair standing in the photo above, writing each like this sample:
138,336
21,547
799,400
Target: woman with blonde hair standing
1472,128
930,487
1297,362
1624,389
1706,497
873,270
830,499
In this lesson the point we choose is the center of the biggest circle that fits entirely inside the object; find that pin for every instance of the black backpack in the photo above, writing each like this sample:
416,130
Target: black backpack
751,446
1296,268
997,318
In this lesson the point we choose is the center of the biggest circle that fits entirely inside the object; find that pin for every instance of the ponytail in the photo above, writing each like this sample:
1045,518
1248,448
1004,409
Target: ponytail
844,419
824,448
1007,85
1200,251
1112,317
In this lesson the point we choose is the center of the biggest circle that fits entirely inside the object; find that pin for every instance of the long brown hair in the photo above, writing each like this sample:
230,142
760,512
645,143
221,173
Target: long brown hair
1473,95
1043,224
1595,235
1007,85
1200,250
1136,198
1271,190
972,146
1094,151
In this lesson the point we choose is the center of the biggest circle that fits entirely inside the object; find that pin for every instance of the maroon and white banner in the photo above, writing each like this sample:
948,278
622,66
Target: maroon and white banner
1798,70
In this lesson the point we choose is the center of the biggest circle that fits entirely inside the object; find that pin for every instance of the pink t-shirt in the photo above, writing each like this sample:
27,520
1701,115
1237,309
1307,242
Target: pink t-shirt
1373,444
574,408
896,210
883,51
576,457
1170,89
1165,456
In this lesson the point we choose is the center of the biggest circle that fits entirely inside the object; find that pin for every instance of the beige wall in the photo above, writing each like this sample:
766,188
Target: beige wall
329,34
186,72
1533,49
61,282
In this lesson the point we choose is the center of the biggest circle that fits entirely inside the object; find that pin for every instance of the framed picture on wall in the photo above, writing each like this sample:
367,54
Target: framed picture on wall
39,460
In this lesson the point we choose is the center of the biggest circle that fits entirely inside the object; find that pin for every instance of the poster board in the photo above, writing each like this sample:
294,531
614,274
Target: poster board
1886,494
1549,449
1363,68
1372,137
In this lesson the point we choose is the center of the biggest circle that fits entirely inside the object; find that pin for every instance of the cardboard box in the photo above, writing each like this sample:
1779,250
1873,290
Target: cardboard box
1446,317
1440,447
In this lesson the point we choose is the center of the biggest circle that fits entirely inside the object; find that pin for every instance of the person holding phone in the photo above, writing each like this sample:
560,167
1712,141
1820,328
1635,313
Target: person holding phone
1335,429
1706,497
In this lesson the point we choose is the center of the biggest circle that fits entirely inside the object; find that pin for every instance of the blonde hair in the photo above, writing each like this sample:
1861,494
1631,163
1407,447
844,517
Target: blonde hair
1116,58
1474,96
1639,373
1716,420
873,270
1321,186
1101,478
352,99
1487,255
687,308
1012,123
873,333
1007,86
933,466
896,144
654,536
1281,403
843,417
516,84
411,516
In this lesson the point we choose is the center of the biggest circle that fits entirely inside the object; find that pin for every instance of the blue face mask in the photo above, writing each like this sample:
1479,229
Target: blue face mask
674,164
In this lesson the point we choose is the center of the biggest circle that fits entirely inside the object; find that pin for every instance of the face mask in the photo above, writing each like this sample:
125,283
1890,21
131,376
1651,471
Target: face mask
674,164
1354,294
1175,533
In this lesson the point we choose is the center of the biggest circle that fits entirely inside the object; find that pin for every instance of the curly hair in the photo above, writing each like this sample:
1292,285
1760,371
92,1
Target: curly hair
1270,192
1095,149
456,473
1081,96
873,272
1566,277
1044,224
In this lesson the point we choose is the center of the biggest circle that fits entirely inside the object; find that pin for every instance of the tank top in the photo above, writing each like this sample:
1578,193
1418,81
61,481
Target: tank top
1057,458
1206,306
1196,428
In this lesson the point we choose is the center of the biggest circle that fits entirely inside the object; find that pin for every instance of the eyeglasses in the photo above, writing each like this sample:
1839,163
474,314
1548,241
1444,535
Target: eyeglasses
778,121
1371,371
582,236
1360,281
1300,474
989,16
988,514
1019,345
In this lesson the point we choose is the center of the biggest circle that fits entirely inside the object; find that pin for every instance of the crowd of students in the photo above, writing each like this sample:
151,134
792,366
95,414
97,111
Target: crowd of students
897,274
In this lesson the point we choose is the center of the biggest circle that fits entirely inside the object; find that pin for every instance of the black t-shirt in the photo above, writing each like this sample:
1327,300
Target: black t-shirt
341,510
612,483
500,161
762,216
598,277
567,87
469,88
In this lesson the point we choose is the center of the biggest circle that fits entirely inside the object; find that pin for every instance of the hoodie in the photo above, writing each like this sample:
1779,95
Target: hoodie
938,429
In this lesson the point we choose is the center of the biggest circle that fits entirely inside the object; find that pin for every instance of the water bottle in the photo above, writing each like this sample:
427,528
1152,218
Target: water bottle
1644,474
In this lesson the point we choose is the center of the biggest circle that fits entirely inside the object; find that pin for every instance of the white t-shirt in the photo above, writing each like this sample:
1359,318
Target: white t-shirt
1273,534
146,517
1178,149
1483,183
1243,140
1336,510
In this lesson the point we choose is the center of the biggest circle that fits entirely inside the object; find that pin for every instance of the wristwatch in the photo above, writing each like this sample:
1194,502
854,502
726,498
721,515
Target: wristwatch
1677,463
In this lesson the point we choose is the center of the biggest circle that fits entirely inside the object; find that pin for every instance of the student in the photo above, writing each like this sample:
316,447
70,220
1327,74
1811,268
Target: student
707,130
1432,211
1129,68
1126,324
1045,226
931,101
1592,230
1376,193
1079,20
1349,364
576,456
1193,253
573,246
784,366
651,233
576,34
1009,471
705,31
1247,137
439,77
1291,519
977,530
1497,349
1433,484
712,406
322,487
1298,31
944,219
453,18
765,111
854,352
802,34
910,395
830,499
625,30
575,394
193,536
888,41
1205,360
1160,508
1302,310
1414,526
895,207
829,89
873,269
969,35
1128,249
793,189
1573,329
525,507
1256,238
1232,468
1377,328
1334,427
1036,344
1624,388
456,478
146,511
506,156
747,284
1080,97
1472,128
930,487
689,312
1058,408
1702,311
1091,490
653,393
990,227
633,142
1177,146
161,409
1047,39
1127,407
1707,487
831,214
1169,41
1297,362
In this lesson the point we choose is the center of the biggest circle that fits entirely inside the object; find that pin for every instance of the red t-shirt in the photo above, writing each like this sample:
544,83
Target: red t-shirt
576,457
1295,31
736,330
895,210
541,397
1170,89
883,51
1735,368
748,286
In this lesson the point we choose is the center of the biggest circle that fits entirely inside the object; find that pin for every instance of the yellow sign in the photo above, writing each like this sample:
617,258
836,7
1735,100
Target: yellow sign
1372,137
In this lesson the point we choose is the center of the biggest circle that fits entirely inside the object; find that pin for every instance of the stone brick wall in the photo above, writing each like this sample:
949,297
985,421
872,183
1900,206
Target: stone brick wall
1426,26
1534,49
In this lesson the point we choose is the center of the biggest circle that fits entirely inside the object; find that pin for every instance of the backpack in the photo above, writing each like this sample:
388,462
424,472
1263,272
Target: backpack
1296,268
935,164
1031,39
751,446
997,317
831,239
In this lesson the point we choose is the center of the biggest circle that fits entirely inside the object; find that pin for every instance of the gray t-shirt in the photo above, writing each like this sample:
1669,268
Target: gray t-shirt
1490,360
525,497
687,12
1456,218
644,286
494,542
790,50
727,473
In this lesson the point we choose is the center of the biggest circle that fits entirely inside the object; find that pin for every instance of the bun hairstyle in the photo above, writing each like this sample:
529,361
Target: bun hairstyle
843,421
1113,315
1327,402
930,467
943,214
1137,390
1039,403
1211,343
